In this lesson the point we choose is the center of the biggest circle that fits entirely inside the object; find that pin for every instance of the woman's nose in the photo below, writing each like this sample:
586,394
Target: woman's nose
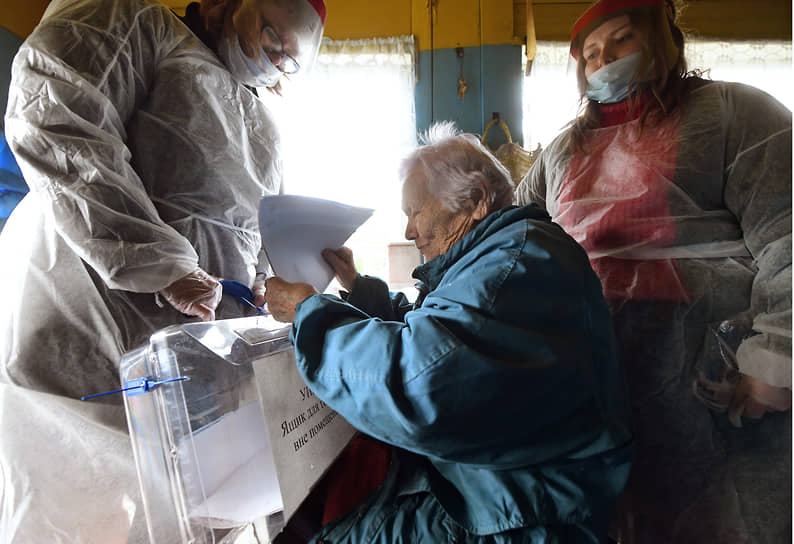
410,231
605,57
276,57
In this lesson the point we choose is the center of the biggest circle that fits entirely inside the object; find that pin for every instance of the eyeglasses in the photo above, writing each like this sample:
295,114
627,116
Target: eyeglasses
273,46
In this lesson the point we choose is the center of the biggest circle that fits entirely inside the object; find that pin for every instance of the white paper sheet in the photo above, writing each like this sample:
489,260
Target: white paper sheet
237,470
295,229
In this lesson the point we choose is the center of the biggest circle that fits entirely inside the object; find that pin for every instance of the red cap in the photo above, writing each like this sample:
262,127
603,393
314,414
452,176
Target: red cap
602,8
319,7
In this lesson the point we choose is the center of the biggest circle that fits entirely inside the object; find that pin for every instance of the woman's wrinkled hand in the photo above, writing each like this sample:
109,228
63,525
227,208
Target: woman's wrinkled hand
196,294
283,297
258,288
753,398
341,261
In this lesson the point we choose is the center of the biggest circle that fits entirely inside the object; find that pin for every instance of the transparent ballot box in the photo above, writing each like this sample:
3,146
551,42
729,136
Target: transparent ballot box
226,435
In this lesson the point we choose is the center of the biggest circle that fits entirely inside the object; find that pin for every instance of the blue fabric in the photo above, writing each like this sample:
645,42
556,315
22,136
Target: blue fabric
12,185
500,386
10,174
9,201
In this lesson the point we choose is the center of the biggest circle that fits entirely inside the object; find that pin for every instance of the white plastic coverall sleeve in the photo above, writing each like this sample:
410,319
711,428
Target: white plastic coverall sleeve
71,146
146,159
758,192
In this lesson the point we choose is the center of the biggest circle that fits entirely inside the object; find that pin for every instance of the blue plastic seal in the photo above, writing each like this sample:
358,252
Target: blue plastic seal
138,386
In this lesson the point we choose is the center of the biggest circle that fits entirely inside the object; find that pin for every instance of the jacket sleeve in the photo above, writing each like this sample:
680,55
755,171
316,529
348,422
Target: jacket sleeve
392,380
372,295
76,83
533,187
758,191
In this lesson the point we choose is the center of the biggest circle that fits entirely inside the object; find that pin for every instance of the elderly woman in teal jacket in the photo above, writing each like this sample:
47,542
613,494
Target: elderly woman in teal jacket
498,390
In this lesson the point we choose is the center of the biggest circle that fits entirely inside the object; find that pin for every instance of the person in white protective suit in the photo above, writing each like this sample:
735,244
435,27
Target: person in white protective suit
679,189
147,150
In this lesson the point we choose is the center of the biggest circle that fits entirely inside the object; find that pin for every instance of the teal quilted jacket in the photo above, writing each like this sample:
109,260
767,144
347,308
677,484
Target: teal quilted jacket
499,388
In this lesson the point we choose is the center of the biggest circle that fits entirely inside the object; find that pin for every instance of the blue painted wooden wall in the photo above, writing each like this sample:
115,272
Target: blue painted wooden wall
494,80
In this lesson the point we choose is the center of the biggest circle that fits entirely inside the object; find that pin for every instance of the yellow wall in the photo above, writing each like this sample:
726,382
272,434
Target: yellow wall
724,19
360,19
467,23
457,22
20,16
355,19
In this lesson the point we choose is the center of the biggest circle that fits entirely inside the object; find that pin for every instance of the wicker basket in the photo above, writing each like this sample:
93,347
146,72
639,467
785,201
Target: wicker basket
515,158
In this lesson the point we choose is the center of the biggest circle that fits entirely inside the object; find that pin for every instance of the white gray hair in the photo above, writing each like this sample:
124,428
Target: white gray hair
458,168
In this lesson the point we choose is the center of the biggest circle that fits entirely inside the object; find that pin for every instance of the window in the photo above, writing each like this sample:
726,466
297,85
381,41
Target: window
551,98
345,127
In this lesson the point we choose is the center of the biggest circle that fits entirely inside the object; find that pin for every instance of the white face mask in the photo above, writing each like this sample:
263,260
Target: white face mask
254,73
611,83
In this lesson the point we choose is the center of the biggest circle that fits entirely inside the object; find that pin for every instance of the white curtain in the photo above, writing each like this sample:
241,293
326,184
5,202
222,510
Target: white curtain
346,126
551,99
766,65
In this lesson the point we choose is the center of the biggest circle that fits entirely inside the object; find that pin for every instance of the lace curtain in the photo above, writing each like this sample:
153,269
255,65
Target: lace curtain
766,65
345,128
551,99
398,52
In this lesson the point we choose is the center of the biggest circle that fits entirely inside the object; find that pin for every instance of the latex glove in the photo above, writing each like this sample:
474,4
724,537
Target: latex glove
753,398
196,294
341,260
283,297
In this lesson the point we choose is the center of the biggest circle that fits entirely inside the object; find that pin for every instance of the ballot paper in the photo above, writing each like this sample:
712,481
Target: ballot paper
295,229
267,455
237,469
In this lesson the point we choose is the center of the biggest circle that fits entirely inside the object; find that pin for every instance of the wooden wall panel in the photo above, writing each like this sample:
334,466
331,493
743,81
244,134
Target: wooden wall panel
457,24
21,16
355,19
497,22
737,19
360,19
721,19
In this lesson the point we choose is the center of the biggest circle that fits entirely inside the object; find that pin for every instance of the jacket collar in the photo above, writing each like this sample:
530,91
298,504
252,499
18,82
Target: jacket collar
430,273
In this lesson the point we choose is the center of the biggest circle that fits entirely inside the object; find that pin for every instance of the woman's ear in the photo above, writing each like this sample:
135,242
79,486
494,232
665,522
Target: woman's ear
482,205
